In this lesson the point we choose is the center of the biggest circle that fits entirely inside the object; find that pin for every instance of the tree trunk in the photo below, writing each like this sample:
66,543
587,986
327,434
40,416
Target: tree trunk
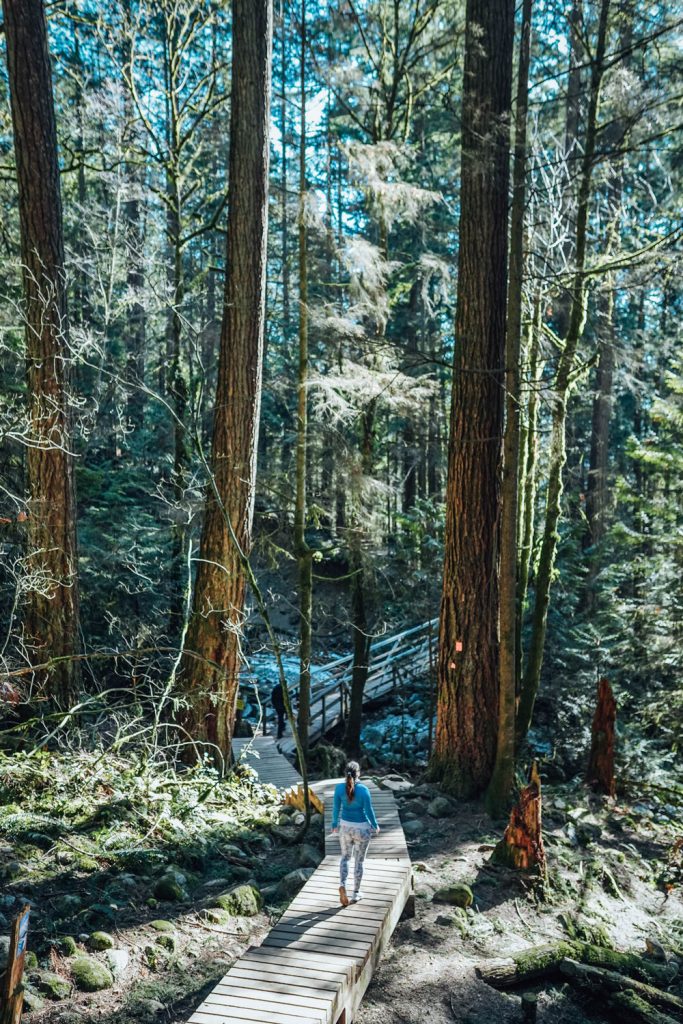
561,388
52,600
303,552
543,961
467,713
600,774
529,443
211,663
500,787
522,844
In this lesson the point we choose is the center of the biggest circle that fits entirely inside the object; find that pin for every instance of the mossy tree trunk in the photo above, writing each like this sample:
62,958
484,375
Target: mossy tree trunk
600,773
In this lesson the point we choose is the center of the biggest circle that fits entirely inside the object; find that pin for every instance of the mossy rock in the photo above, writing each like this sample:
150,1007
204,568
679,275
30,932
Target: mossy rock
167,941
99,941
156,956
162,926
30,961
52,985
242,901
459,895
33,1002
214,915
90,975
86,864
68,945
171,886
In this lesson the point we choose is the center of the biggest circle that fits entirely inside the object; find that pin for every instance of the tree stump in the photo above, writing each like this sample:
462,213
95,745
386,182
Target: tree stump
600,774
522,844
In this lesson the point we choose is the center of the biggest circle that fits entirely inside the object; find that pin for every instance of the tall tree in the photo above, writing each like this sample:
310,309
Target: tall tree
467,711
211,663
501,783
304,553
564,378
52,604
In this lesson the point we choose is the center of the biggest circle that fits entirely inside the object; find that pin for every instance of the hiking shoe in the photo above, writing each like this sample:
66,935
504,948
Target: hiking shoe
356,897
343,898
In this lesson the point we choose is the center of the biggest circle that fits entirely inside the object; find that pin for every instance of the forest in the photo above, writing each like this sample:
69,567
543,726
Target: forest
341,402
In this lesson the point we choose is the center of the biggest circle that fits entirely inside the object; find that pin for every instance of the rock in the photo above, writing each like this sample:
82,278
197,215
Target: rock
156,956
440,807
285,833
148,1009
443,919
68,945
167,941
171,886
413,828
32,1001
459,895
118,960
30,960
162,926
290,884
214,915
4,951
408,816
90,975
308,857
655,949
396,784
67,905
243,901
100,941
11,870
52,985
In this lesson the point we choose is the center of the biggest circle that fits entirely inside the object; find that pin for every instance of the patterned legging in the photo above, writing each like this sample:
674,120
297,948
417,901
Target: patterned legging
354,843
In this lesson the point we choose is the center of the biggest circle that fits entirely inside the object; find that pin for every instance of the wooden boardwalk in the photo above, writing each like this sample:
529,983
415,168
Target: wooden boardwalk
316,963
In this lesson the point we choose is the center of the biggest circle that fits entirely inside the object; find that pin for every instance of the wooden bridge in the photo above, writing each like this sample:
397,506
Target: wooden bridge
394,661
316,963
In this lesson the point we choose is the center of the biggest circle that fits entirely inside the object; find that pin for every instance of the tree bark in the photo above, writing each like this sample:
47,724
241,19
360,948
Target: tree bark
522,844
52,602
467,713
500,787
215,626
600,774
561,389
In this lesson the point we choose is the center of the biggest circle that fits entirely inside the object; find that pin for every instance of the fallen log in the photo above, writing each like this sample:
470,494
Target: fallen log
598,979
634,1010
544,961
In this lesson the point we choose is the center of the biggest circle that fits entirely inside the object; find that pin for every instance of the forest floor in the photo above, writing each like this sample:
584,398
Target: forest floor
131,872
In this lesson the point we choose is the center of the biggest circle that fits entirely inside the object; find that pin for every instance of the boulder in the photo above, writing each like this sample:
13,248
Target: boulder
52,985
68,945
99,941
242,901
290,884
90,975
32,1000
171,886
413,828
458,895
396,784
309,856
118,960
440,807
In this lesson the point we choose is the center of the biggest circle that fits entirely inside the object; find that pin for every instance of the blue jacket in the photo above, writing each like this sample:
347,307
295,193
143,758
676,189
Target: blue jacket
360,808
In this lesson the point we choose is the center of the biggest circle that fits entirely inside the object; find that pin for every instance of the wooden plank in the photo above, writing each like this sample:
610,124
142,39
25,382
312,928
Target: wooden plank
285,994
260,1008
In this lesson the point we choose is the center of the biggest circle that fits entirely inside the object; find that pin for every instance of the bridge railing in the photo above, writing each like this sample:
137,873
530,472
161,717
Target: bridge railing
392,661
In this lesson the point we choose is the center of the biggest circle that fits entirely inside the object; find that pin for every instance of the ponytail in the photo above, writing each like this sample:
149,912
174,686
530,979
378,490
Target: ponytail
352,770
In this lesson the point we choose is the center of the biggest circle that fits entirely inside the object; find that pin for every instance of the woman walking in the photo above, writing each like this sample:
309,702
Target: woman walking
358,824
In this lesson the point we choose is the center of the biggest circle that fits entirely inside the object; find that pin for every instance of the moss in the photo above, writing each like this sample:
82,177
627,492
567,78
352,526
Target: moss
52,985
459,895
162,926
100,941
68,945
242,901
90,975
